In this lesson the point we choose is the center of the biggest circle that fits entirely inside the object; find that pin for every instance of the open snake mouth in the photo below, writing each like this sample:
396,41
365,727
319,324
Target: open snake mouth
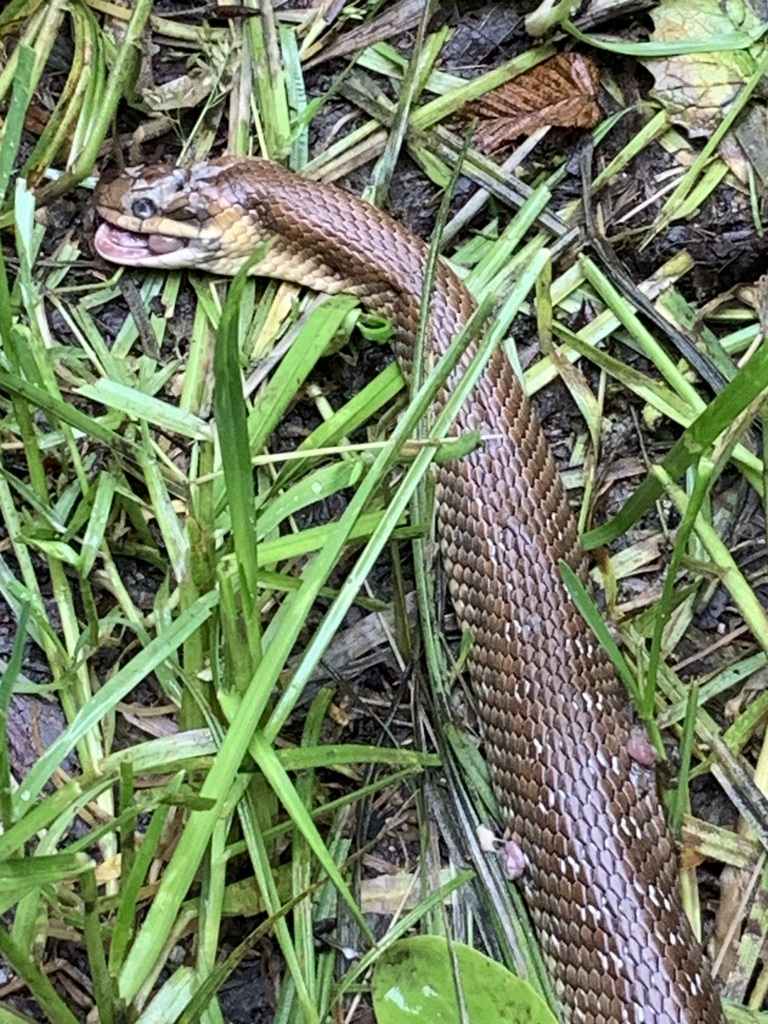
131,247
156,241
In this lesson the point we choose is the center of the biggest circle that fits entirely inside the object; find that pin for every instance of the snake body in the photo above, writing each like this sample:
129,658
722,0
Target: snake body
600,879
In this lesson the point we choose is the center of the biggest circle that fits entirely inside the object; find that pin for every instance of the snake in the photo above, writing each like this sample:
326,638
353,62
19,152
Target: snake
599,873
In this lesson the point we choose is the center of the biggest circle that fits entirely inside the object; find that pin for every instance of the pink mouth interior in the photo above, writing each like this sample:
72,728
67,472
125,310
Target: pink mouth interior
121,246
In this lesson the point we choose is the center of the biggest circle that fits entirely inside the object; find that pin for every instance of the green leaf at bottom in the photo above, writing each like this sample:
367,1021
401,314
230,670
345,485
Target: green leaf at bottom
414,981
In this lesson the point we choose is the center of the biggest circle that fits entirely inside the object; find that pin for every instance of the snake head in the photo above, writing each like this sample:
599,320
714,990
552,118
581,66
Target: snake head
170,218
219,215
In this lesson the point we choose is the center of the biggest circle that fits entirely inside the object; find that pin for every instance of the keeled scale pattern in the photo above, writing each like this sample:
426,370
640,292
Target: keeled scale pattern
601,877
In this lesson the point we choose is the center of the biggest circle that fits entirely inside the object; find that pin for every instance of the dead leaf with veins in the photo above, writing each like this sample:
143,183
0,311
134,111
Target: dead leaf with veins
697,89
560,92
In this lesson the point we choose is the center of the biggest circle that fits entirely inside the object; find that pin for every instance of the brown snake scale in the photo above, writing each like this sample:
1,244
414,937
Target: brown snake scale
601,865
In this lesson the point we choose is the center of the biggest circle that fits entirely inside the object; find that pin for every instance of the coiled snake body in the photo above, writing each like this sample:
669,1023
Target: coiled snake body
600,876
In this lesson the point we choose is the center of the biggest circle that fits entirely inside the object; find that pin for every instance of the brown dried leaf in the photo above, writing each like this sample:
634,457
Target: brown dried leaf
561,92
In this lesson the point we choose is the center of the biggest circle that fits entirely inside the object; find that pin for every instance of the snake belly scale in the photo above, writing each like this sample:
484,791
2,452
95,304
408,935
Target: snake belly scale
600,880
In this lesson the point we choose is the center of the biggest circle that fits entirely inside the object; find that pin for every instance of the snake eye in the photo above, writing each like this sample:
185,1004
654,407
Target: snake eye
143,208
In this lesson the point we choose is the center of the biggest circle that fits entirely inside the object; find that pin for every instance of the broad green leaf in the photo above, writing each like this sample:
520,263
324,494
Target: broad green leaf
416,979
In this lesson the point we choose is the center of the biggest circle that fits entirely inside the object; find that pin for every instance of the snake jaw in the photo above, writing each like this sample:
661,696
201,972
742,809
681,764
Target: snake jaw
154,241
